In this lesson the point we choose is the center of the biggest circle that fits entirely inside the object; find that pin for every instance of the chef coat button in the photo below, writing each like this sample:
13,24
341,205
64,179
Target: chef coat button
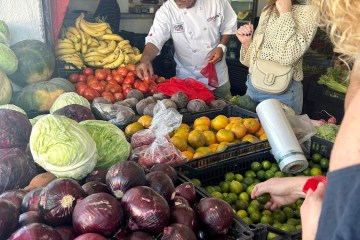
205,28
208,46
190,32
194,51
184,12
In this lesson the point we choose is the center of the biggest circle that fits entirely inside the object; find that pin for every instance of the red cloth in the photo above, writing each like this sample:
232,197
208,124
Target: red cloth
58,10
191,87
313,182
210,73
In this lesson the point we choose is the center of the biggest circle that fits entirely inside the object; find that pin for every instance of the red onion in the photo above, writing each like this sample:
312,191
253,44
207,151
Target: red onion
66,232
187,191
35,231
31,200
58,199
215,214
9,215
14,196
178,200
97,175
166,168
185,215
90,236
98,213
138,236
30,217
146,210
95,187
123,176
161,183
177,231
332,120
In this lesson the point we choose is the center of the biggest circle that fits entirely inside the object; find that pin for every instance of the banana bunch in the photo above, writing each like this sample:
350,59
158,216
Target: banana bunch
95,45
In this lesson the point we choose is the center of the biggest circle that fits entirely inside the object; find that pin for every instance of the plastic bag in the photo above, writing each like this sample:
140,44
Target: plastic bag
119,115
160,150
209,71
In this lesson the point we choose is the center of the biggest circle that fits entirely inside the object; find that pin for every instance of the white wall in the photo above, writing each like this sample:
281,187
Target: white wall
24,18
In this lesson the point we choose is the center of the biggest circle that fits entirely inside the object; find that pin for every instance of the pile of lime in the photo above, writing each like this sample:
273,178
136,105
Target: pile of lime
235,188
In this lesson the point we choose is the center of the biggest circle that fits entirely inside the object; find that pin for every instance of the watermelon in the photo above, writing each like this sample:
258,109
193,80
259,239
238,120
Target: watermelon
36,62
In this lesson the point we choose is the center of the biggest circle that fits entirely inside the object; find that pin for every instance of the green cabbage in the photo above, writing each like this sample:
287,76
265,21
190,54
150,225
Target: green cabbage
13,107
111,142
63,147
69,98
35,119
327,131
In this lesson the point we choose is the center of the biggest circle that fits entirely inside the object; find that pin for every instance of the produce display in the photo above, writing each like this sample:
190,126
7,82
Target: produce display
94,44
336,79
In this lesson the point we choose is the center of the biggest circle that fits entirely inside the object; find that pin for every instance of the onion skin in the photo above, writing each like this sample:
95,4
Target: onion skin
161,183
187,191
98,213
9,215
58,199
185,215
29,217
123,176
90,236
95,187
35,231
166,168
177,231
31,200
138,236
14,196
66,232
178,200
215,214
146,210
97,175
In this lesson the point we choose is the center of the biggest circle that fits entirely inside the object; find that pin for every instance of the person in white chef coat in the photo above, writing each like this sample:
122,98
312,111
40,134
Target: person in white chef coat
200,30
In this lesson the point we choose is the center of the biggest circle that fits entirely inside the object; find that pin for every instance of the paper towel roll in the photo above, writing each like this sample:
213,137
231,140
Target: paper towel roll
285,147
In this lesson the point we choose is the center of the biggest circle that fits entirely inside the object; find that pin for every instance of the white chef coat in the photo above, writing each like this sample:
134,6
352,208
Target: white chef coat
195,32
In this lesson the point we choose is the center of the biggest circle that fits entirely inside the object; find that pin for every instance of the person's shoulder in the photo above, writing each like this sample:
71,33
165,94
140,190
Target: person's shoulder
303,10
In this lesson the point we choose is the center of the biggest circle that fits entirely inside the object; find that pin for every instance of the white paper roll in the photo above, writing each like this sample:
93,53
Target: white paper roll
285,147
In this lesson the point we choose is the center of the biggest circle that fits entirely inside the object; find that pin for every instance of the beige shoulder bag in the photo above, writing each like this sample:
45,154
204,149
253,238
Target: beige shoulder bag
269,76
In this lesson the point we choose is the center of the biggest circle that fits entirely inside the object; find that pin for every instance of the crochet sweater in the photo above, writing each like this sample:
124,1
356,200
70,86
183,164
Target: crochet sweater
287,38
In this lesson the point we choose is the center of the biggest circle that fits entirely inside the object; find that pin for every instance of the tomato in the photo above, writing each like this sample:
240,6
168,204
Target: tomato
125,85
129,80
107,70
125,91
119,96
82,78
131,74
97,87
74,77
103,83
109,96
113,88
122,71
80,88
136,83
114,72
91,81
148,80
130,67
143,87
90,94
160,80
118,78
100,74
112,82
88,72
109,77
152,89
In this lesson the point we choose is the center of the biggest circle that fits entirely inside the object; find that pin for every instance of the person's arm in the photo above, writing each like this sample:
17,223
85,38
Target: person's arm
217,54
354,84
144,69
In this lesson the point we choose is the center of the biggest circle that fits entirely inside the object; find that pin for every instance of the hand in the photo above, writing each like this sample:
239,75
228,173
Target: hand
282,191
310,211
283,6
144,70
245,33
216,55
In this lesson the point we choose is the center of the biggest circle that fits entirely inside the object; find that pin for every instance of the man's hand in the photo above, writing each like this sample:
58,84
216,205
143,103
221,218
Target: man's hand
244,34
144,70
216,55
283,6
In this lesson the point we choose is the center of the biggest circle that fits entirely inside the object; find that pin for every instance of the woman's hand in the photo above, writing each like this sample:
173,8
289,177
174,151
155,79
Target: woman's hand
245,33
283,6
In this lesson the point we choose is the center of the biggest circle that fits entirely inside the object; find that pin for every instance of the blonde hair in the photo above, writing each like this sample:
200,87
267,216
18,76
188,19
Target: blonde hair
340,19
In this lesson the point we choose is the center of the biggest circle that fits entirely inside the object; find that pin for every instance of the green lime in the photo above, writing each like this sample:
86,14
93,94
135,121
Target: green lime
324,163
225,194
316,157
298,227
279,174
252,209
228,200
266,212
242,213
293,206
196,182
256,204
279,216
247,220
297,213
244,186
316,166
241,204
250,173
256,181
225,186
255,217
293,221
269,174
306,172
274,167
249,189
229,176
239,177
266,165
264,198
248,180
217,188
288,228
216,194
244,196
260,175
235,187
255,166
271,235
311,164
210,189
289,212
233,197
267,219
315,171
277,224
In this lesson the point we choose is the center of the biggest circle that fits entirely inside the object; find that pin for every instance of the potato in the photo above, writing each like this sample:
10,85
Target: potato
169,103
181,99
149,109
160,96
134,93
218,104
40,180
197,105
129,102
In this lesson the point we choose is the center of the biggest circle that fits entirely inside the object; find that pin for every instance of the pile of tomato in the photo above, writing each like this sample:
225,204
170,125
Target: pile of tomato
112,84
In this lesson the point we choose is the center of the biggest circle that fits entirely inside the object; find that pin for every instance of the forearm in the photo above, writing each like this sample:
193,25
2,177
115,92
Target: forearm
225,39
354,84
149,53
298,184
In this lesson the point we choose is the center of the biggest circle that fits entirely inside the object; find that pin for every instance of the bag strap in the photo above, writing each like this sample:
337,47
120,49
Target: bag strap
262,35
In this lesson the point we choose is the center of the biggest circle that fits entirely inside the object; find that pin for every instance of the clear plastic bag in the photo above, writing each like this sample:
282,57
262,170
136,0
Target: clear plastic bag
160,150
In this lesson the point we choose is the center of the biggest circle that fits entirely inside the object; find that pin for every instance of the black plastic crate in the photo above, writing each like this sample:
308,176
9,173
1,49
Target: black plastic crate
321,146
240,230
62,69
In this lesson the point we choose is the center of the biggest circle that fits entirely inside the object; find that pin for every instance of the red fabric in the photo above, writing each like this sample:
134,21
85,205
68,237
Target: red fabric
58,10
210,73
191,87
313,182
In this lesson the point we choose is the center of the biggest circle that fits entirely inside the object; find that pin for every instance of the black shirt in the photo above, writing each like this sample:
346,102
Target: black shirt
109,10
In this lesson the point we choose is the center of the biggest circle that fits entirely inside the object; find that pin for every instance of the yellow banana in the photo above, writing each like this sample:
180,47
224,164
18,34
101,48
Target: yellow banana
70,57
64,45
126,59
124,43
77,46
83,43
95,26
92,32
138,58
72,37
136,50
74,31
127,50
111,58
102,44
94,53
114,37
110,48
131,57
77,21
94,42
93,58
92,49
117,62
108,31
65,51
65,40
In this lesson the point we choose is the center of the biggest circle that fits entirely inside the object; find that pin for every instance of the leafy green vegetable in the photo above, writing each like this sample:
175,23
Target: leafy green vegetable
69,98
111,142
244,102
63,147
335,78
327,131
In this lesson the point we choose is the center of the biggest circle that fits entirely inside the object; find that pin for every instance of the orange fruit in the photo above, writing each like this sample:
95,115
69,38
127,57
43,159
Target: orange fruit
250,138
210,138
145,120
230,126
184,126
179,142
263,137
133,128
213,147
202,127
202,121
206,150
235,120
190,149
199,154
239,130
196,139
225,135
222,146
252,125
260,132
187,154
182,133
219,122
